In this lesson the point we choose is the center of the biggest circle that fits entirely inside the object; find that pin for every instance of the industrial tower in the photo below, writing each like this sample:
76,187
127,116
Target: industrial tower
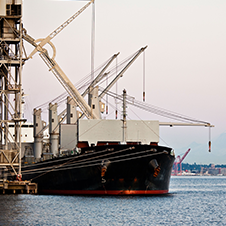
11,63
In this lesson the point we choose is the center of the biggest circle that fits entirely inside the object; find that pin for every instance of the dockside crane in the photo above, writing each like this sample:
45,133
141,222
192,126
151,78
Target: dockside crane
99,77
120,74
55,68
43,42
86,109
63,79
178,161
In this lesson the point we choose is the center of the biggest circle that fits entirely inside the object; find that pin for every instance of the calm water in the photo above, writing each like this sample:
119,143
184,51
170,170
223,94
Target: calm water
192,201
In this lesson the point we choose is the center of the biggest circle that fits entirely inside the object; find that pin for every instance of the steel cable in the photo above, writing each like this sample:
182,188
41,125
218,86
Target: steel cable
81,160
154,109
59,168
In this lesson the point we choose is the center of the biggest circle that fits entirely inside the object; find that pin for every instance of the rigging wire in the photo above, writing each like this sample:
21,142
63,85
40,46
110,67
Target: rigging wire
120,160
86,81
92,41
151,129
144,76
107,95
156,110
78,162
81,84
87,163
116,72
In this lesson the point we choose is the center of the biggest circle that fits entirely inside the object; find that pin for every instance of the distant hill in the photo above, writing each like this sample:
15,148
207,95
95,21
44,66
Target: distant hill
199,152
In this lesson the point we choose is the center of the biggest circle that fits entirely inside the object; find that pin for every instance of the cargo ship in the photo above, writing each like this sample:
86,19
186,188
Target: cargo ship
87,155
109,157
120,169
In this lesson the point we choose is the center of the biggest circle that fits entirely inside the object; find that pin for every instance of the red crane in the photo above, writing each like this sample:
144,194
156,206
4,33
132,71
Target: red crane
178,161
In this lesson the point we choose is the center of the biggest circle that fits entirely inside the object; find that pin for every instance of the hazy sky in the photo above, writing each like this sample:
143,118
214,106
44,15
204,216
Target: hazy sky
185,58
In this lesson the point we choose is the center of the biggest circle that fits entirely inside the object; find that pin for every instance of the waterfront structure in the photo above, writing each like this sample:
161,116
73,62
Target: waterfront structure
11,63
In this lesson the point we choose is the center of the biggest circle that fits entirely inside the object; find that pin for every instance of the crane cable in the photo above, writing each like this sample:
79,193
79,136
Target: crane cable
144,76
93,41
86,81
93,161
116,87
156,110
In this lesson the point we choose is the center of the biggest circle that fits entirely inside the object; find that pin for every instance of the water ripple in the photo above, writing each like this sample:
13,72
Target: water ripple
192,201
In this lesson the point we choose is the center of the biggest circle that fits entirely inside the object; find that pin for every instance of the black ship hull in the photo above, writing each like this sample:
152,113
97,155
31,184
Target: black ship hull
105,170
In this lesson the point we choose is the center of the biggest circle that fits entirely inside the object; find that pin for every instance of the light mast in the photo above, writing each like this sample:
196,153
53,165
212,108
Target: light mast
124,118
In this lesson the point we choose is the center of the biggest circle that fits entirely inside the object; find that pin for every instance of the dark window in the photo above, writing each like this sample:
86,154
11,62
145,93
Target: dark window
8,10
13,10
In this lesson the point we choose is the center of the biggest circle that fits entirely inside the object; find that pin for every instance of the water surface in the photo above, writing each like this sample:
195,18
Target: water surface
192,201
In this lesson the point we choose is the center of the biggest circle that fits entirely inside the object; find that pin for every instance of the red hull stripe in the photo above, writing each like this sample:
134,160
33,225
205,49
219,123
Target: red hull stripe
101,192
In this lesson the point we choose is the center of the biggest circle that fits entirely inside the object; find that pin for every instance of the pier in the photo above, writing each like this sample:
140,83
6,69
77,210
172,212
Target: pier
18,187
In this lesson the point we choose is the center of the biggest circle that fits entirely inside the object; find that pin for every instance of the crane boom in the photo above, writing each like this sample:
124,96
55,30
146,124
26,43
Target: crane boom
55,68
96,80
67,84
63,79
58,30
99,76
183,157
121,73
66,23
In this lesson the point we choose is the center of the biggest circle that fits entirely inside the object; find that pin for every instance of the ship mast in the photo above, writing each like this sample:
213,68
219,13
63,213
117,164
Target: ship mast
124,118
92,53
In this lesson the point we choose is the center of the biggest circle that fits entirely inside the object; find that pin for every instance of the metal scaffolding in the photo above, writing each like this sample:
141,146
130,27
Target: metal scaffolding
11,63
